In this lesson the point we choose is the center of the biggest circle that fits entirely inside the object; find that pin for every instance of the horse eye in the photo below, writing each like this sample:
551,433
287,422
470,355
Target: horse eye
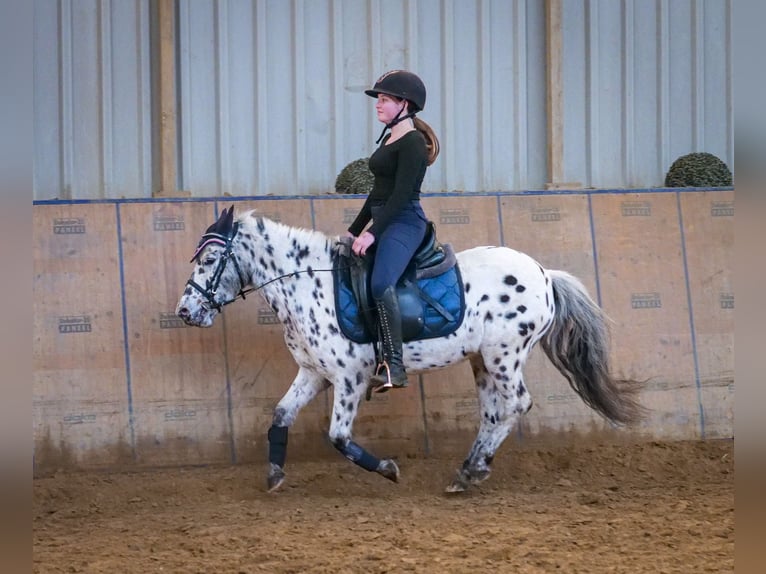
209,261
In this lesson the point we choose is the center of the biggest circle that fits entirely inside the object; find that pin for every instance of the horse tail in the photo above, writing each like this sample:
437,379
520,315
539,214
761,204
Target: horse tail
577,344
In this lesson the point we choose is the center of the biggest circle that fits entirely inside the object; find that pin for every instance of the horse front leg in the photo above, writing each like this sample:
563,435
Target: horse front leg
306,385
347,396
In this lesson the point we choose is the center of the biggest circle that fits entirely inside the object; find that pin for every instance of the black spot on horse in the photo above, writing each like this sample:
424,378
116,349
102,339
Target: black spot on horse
497,360
467,287
520,390
520,288
510,315
521,309
348,385
523,329
488,317
332,328
510,280
270,249
516,365
504,298
484,297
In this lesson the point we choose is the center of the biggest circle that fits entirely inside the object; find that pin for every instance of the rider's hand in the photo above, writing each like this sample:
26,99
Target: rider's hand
362,243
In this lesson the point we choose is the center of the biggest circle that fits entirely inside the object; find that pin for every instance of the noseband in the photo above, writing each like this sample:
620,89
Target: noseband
212,284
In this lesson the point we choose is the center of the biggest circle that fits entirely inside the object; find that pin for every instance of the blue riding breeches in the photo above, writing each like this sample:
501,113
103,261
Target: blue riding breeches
396,246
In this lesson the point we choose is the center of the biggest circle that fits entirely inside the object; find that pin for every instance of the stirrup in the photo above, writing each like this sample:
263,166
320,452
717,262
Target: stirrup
384,387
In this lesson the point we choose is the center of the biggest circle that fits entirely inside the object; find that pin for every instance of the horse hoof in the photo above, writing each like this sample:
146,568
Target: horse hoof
479,476
460,484
456,486
275,479
389,470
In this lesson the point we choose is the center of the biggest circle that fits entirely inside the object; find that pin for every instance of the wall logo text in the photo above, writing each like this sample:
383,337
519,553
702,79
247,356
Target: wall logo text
74,324
636,208
645,301
68,225
454,216
166,222
546,214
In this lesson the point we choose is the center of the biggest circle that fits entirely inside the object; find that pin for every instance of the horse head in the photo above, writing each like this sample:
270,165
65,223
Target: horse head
214,282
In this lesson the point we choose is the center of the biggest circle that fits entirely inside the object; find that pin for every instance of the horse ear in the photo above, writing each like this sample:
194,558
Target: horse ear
228,220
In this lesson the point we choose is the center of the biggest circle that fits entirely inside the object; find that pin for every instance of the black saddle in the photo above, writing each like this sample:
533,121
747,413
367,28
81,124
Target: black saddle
430,292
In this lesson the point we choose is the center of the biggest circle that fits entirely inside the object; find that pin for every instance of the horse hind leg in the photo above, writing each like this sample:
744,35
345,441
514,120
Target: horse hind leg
502,399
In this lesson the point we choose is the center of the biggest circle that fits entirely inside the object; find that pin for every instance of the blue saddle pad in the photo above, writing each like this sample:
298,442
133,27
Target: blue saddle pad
430,308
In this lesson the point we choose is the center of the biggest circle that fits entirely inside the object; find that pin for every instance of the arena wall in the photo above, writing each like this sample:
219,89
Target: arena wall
119,381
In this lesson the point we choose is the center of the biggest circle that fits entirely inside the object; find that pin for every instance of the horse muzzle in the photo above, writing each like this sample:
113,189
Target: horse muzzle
199,317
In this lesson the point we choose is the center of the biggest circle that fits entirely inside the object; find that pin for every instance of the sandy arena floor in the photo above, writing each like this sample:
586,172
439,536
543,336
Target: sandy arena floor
652,507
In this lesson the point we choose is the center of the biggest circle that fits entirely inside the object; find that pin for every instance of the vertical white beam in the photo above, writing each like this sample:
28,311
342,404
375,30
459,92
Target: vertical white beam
221,16
144,95
698,74
485,89
663,65
67,104
448,109
106,100
338,94
299,93
261,100
411,34
593,65
628,92
520,111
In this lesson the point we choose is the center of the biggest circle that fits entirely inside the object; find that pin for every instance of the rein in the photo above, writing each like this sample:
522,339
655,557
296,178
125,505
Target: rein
212,284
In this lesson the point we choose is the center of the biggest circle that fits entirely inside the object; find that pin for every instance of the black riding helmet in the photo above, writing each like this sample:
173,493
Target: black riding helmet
403,85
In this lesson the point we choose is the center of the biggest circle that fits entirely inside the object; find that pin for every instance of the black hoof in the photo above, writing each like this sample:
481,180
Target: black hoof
276,478
388,469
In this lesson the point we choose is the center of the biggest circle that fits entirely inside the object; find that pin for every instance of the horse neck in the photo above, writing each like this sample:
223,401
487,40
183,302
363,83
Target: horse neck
279,250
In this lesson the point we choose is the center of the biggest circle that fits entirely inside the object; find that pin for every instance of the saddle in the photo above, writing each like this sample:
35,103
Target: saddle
430,292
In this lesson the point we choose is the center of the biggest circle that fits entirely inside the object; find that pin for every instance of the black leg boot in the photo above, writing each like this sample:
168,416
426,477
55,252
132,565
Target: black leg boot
391,372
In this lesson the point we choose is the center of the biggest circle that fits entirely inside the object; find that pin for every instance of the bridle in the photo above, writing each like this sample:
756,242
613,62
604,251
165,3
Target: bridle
211,286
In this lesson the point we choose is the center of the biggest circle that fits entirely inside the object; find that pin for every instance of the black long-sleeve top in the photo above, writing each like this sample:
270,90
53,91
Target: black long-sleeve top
399,169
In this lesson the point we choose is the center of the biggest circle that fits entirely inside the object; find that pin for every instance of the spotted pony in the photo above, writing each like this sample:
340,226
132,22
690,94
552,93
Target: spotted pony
512,302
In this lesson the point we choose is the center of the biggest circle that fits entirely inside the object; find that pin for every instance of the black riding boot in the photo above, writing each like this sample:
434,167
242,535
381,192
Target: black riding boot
390,372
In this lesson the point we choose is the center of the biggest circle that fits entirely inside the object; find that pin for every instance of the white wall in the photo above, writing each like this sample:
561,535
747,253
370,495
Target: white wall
271,91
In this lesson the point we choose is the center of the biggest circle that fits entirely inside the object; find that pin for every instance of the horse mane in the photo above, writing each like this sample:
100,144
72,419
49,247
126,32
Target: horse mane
251,218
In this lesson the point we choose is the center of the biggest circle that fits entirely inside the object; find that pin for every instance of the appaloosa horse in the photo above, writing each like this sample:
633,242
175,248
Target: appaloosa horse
511,302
